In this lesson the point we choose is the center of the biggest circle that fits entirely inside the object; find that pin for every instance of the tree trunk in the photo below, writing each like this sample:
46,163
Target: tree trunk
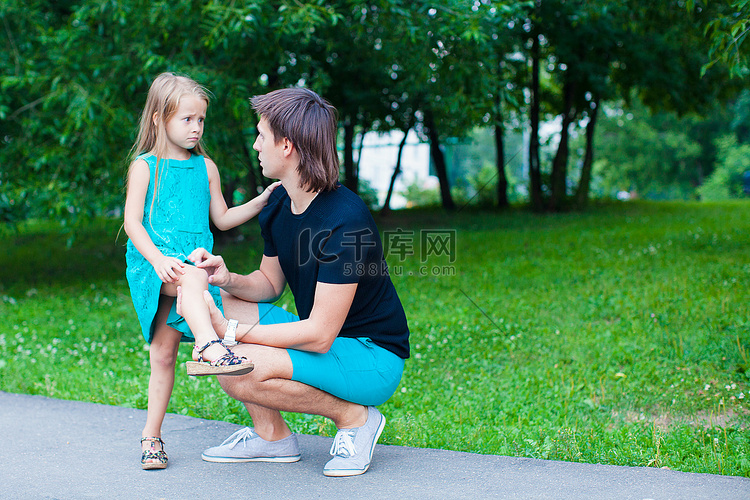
439,159
362,135
350,174
558,185
502,179
396,172
584,184
535,173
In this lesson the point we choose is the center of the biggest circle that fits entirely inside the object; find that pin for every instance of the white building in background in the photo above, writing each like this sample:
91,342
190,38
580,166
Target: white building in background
378,160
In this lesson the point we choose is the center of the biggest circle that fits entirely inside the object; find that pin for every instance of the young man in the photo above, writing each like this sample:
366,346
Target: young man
344,354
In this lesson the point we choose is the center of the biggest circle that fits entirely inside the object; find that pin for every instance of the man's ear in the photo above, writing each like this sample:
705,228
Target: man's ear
288,147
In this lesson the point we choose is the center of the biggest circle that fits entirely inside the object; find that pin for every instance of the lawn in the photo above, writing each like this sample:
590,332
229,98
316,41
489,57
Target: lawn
617,336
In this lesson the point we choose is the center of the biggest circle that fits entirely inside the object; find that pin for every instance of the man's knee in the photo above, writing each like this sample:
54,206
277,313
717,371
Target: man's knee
243,311
235,386
270,363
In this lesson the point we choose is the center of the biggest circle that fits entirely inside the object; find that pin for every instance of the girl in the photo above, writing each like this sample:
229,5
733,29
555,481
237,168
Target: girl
172,189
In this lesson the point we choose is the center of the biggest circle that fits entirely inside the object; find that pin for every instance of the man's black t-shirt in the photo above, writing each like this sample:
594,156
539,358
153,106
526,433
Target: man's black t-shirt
336,241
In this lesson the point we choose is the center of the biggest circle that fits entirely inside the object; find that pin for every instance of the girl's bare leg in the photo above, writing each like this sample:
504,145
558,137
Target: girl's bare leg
194,282
163,357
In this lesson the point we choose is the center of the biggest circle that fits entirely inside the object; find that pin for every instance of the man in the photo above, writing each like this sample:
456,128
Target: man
344,354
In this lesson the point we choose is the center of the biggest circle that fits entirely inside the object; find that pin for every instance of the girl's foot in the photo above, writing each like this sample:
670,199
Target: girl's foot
226,364
153,458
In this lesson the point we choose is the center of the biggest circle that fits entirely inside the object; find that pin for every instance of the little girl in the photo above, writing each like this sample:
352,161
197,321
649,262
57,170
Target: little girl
172,189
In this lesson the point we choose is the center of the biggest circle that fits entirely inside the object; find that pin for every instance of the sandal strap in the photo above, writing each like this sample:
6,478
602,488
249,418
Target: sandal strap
153,440
161,456
228,359
208,344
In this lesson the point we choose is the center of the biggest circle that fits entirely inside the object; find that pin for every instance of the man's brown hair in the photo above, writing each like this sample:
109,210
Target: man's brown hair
310,123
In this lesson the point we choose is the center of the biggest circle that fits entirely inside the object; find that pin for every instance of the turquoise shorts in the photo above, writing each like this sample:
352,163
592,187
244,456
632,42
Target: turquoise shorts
353,369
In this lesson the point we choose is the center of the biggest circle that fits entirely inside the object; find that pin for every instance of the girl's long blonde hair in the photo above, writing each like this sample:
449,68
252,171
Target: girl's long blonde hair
161,104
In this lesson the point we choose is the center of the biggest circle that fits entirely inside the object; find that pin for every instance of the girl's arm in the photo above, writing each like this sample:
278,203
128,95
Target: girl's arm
226,218
168,268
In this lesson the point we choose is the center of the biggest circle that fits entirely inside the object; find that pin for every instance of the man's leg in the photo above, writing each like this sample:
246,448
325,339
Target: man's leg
268,389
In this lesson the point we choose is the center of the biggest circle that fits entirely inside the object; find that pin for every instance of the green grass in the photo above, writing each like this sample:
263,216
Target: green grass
617,336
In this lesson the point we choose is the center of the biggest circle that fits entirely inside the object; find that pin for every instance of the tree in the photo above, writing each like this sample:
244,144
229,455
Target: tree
465,73
730,179
78,76
658,155
499,38
727,28
351,55
584,41
593,51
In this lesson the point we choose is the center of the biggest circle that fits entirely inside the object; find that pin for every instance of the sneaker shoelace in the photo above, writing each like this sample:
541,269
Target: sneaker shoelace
343,443
241,435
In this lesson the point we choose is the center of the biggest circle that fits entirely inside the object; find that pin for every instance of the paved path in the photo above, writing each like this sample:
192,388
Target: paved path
53,449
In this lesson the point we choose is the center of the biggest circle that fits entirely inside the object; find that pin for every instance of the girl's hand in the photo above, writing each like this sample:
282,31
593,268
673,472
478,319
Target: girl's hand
169,269
266,194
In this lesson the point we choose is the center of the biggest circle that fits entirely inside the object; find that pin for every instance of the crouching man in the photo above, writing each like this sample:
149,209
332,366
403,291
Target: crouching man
344,353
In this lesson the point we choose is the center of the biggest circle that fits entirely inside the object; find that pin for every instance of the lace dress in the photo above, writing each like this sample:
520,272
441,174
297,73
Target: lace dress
178,224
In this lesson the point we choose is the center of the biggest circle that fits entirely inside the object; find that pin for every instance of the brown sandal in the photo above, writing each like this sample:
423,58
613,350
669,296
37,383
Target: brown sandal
151,454
228,364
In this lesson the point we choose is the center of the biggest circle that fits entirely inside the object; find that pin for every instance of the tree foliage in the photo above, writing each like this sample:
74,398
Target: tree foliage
726,27
730,179
75,77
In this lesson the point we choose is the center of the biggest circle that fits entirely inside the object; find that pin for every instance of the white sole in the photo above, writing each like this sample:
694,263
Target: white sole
357,472
344,473
233,460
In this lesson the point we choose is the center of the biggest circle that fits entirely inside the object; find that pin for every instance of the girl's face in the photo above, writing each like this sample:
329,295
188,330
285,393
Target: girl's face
185,128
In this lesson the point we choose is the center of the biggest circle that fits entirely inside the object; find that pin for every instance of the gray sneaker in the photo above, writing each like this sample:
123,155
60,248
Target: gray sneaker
246,446
352,448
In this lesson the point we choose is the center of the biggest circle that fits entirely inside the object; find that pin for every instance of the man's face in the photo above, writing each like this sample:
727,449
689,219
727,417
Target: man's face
270,154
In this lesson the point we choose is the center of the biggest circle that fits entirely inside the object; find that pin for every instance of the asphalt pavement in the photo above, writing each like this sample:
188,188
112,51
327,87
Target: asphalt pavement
55,449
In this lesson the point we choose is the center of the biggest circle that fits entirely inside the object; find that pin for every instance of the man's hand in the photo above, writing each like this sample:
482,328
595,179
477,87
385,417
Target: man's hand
199,255
218,320
214,265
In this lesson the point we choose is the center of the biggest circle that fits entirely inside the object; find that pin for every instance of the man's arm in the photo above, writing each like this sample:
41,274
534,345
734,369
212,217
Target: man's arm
315,334
264,285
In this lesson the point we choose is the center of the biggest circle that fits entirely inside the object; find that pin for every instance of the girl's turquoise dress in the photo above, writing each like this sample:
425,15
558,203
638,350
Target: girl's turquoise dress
178,224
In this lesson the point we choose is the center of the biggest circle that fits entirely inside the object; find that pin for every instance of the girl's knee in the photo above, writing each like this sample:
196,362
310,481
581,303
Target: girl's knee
194,278
163,355
164,360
